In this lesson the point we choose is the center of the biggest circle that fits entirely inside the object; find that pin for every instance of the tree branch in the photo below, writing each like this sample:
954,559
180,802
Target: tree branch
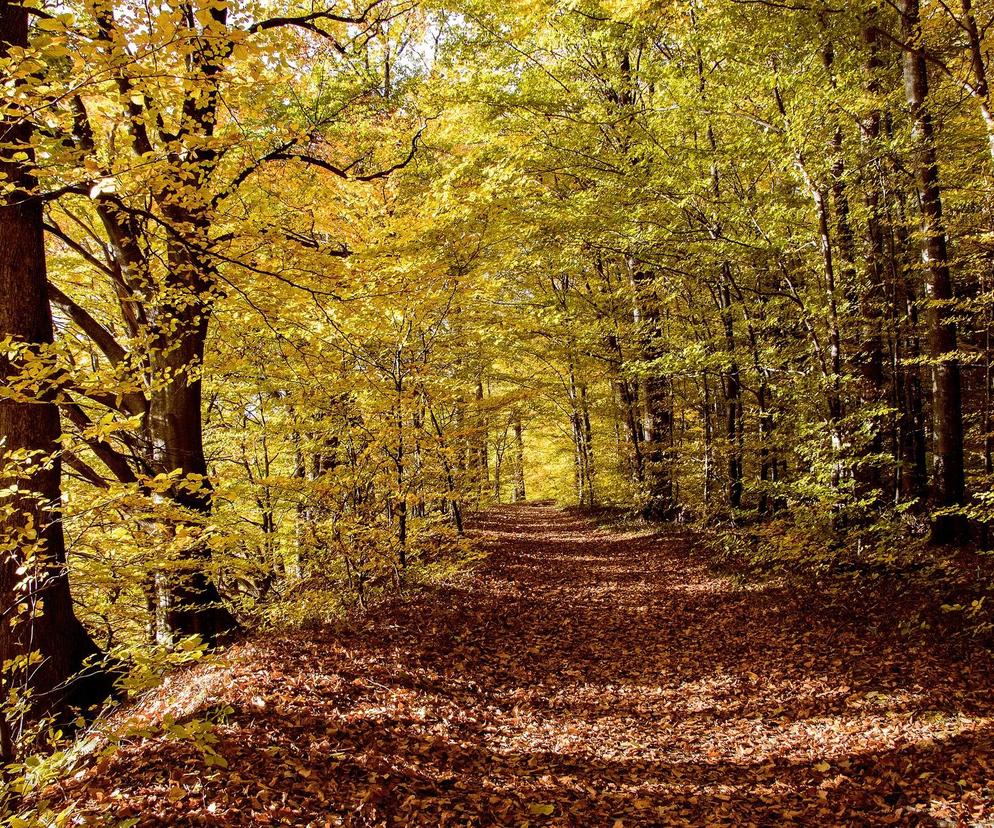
310,22
101,337
108,455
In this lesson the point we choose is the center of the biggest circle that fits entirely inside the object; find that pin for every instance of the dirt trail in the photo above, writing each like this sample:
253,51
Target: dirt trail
578,677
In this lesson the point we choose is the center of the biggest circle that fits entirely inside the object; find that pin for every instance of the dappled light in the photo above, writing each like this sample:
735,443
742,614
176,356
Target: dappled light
459,412
603,675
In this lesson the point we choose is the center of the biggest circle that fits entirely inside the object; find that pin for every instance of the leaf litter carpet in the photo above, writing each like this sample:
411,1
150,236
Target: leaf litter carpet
581,677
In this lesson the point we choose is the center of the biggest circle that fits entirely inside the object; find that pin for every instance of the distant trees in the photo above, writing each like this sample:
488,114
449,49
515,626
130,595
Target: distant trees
321,282
804,321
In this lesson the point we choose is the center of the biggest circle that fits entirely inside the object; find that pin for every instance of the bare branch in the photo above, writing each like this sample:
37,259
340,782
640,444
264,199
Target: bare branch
108,455
100,336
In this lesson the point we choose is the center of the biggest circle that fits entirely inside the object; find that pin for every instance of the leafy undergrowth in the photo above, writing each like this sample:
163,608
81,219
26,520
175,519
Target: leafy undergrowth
578,677
944,592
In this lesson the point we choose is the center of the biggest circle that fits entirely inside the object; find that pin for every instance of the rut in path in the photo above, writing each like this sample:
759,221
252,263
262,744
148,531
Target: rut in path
577,677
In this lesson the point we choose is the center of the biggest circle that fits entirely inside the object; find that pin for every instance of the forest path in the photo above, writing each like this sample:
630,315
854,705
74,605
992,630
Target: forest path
580,676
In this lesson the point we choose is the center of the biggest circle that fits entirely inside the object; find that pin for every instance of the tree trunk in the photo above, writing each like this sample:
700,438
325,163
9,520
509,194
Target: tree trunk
519,460
912,465
948,479
38,615
175,430
655,396
588,446
706,420
980,88
870,355
733,395
832,366
580,476
629,411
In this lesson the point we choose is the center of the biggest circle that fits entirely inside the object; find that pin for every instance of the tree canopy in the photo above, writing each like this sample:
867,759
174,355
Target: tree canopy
289,290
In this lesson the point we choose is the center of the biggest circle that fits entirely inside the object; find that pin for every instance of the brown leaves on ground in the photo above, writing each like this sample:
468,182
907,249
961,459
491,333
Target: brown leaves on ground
578,677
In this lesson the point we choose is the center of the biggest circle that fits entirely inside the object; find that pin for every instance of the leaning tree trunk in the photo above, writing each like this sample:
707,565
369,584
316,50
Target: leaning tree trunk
948,479
980,87
36,604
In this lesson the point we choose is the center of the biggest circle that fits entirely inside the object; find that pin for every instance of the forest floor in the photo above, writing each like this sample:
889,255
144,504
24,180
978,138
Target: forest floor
579,676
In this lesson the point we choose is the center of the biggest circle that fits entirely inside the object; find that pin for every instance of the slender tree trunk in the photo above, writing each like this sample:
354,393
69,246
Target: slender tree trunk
708,437
579,438
912,464
988,412
588,446
482,444
629,412
832,366
767,458
400,460
980,88
733,395
656,398
948,478
455,509
731,377
833,392
871,353
519,460
840,197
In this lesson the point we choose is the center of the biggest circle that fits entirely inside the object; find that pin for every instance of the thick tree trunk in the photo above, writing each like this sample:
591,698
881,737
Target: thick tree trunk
35,600
175,431
948,479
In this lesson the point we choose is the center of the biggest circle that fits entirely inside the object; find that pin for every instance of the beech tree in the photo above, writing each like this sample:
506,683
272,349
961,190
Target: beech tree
294,290
48,658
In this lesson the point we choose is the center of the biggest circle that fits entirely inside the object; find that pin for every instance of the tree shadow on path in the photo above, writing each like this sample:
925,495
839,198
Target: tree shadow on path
579,677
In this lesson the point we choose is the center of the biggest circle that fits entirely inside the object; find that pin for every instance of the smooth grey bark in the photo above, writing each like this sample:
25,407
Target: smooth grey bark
948,486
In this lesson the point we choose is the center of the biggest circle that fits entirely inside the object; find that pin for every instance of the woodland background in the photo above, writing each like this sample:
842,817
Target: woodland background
289,290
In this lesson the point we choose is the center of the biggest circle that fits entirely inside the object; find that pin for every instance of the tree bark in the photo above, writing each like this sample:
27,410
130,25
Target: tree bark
175,433
948,486
980,88
871,353
655,396
36,604
733,395
519,460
